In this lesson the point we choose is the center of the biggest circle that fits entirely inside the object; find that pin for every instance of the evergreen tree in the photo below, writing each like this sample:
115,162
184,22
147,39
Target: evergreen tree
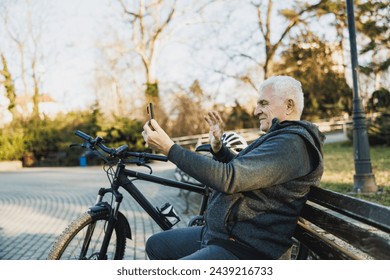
313,62
373,20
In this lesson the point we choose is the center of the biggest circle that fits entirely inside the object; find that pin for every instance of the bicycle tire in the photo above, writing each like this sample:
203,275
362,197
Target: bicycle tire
69,243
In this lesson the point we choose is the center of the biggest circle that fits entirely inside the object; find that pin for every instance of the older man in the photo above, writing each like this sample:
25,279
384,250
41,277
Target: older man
258,194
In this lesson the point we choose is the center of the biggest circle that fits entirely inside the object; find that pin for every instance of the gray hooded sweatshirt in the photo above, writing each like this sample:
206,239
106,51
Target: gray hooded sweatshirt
257,195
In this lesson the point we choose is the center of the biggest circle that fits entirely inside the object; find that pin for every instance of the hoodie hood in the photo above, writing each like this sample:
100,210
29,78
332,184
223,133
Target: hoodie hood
309,130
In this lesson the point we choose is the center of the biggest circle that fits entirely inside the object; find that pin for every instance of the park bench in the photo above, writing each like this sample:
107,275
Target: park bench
338,226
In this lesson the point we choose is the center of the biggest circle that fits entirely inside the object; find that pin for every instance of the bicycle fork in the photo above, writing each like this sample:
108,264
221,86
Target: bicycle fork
112,220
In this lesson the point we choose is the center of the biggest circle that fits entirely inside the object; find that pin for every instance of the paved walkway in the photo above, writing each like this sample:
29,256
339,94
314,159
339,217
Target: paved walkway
36,204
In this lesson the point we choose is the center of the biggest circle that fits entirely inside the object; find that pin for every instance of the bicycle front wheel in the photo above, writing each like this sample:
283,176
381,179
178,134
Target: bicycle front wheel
83,238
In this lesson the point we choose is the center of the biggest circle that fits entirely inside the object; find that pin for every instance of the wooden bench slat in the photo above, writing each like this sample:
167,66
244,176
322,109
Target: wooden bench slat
366,240
373,214
319,245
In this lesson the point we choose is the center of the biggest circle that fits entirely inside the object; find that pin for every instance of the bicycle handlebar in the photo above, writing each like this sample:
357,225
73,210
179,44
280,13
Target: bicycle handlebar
147,155
81,134
118,151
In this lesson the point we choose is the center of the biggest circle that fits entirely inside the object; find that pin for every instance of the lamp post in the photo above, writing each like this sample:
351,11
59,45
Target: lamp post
364,179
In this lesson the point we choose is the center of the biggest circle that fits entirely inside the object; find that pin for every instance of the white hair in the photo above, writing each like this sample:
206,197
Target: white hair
286,87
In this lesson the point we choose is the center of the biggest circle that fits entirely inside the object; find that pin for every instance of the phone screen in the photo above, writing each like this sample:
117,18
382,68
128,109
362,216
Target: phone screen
149,110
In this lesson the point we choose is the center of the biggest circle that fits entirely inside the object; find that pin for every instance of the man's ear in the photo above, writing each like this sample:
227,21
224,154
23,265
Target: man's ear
290,106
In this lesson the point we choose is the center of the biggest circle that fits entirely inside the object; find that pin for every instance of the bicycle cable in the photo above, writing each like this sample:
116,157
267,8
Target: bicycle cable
108,167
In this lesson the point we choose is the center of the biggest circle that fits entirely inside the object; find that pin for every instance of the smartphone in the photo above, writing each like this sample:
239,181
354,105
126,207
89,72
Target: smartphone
149,110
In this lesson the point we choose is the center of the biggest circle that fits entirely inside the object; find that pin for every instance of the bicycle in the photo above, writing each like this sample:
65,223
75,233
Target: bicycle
101,232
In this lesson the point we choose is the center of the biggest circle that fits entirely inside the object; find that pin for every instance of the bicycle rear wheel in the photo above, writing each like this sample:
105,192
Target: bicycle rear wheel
88,231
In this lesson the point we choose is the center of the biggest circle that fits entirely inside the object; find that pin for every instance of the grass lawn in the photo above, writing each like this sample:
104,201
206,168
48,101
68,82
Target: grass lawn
340,168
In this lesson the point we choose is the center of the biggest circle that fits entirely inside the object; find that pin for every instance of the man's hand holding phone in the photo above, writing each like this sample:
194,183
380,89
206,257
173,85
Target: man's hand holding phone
154,136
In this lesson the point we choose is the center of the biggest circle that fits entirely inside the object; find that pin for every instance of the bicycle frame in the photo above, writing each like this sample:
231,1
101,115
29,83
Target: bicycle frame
121,180
144,203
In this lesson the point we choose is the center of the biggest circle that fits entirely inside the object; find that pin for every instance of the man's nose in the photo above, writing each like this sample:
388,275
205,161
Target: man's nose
257,111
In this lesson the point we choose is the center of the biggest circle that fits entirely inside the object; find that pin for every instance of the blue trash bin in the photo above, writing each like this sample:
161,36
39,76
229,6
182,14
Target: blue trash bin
83,161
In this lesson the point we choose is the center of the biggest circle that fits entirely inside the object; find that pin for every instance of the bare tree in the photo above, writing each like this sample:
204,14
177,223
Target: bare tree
35,32
129,57
112,77
19,40
26,36
339,10
250,36
147,22
295,16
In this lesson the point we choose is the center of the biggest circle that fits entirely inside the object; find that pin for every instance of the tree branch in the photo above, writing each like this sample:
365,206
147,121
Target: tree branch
127,11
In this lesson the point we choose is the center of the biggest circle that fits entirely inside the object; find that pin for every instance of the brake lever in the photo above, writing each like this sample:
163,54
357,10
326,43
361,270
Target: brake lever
86,145
75,145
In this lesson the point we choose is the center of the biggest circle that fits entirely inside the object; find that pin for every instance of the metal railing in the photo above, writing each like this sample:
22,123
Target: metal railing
252,134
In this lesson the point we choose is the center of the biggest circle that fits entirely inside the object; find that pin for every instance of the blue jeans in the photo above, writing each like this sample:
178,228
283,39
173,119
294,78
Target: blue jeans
184,244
